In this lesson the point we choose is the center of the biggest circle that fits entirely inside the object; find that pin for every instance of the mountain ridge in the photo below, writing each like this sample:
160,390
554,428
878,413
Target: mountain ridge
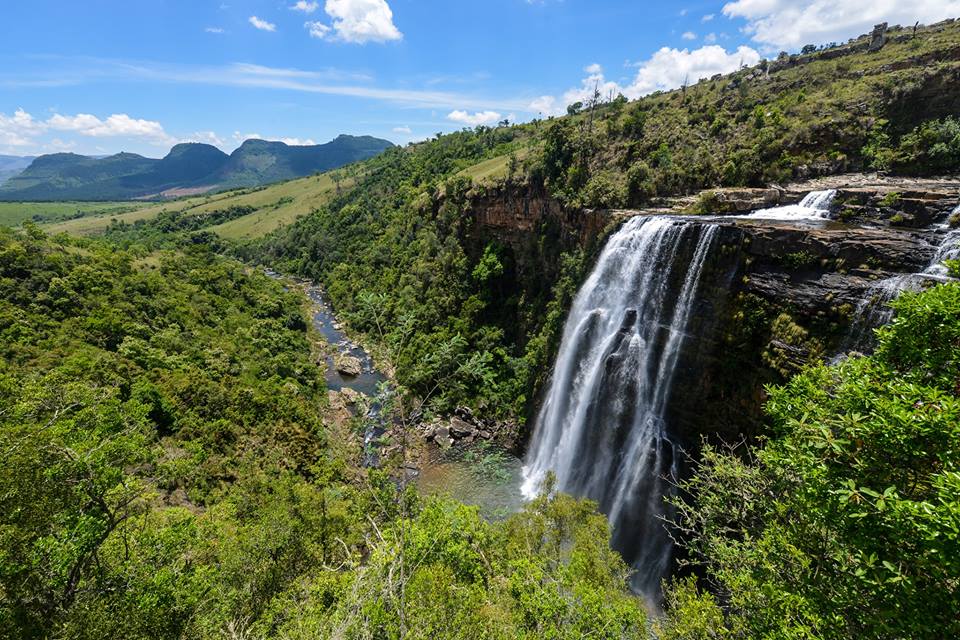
193,166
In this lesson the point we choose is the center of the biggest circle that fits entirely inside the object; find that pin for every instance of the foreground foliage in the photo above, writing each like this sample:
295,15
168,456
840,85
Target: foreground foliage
167,474
846,523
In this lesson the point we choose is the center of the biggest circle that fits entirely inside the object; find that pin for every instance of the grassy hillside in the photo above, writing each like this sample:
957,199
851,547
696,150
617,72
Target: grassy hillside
12,214
275,206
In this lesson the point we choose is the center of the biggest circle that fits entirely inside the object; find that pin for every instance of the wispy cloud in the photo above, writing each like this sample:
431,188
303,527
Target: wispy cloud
335,82
216,30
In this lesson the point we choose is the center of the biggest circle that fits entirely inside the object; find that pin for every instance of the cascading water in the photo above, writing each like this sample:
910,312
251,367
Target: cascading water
814,206
601,428
874,310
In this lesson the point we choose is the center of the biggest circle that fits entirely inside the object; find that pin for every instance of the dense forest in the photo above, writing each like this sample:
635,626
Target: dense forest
169,471
167,475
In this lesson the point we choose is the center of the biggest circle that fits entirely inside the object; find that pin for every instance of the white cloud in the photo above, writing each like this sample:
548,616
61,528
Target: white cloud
306,7
22,130
689,35
206,137
240,138
544,104
474,119
216,30
708,17
298,142
593,68
790,24
19,129
710,38
667,69
263,25
117,125
317,29
362,21
404,129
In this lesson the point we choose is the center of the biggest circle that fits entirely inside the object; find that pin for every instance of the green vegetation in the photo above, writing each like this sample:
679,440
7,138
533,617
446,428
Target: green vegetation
167,475
389,252
845,522
168,472
188,168
13,214
272,207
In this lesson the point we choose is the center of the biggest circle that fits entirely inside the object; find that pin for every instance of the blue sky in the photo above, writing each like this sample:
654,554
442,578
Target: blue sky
101,76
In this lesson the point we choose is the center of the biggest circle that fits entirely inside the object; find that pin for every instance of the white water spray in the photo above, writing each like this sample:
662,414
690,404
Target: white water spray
814,206
601,428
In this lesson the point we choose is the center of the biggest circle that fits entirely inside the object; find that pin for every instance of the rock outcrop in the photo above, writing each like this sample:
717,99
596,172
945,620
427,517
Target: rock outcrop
347,364
775,297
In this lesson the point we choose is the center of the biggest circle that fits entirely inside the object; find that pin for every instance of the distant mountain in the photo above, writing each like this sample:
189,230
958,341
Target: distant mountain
188,168
12,165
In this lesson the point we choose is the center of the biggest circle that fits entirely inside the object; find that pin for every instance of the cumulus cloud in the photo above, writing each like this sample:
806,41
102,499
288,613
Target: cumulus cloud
708,17
306,7
18,129
667,69
22,130
474,119
404,129
790,24
358,22
689,35
119,124
262,25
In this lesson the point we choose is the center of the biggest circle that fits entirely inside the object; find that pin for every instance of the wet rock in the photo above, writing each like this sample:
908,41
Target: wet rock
352,396
461,429
348,365
723,201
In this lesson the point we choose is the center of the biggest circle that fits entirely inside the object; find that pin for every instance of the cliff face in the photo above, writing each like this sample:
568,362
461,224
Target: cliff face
774,296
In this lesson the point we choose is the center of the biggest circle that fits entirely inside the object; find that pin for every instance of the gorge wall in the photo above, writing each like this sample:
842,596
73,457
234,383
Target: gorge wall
774,296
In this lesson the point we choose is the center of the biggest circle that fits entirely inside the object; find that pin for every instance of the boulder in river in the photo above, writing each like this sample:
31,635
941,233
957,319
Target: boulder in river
348,365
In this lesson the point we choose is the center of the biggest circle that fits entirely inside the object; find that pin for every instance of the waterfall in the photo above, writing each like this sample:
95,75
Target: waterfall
814,206
601,429
874,309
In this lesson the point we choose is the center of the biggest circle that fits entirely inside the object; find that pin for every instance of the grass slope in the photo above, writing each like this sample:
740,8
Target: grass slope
13,214
276,206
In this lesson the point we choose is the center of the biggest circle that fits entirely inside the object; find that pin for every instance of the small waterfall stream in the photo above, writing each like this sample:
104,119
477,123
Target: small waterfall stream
874,309
601,429
814,206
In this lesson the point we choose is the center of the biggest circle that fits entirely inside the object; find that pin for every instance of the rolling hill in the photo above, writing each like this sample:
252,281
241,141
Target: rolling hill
189,168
